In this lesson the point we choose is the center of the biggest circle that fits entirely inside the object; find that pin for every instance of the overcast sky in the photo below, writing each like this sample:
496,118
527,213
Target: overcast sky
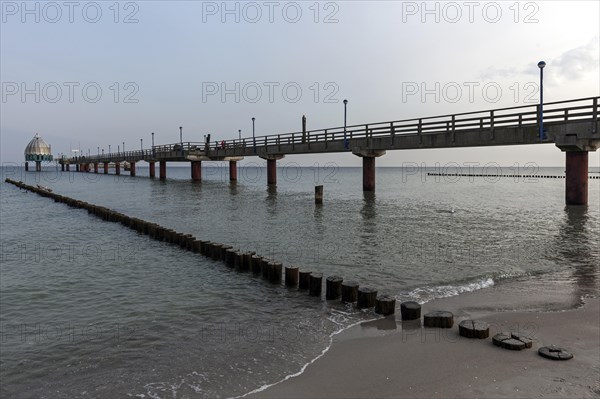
89,75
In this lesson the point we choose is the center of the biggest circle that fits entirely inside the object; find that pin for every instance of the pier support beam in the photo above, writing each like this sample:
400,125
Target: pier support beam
162,166
272,167
576,179
232,170
368,157
26,166
96,167
77,167
68,167
38,166
152,168
196,170
117,168
105,168
368,173
271,172
62,167
132,169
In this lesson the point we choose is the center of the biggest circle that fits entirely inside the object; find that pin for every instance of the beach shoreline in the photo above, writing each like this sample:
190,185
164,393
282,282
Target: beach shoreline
389,358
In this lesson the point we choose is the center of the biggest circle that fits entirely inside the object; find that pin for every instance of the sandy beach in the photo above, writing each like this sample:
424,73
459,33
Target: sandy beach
387,358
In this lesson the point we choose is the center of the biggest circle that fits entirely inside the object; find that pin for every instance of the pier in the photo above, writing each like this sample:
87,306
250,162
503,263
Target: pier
571,125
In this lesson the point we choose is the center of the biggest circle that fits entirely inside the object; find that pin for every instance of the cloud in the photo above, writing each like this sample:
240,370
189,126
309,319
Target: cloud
571,65
574,64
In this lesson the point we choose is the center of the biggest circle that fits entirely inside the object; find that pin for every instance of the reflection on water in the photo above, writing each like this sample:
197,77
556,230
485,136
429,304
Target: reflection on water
576,244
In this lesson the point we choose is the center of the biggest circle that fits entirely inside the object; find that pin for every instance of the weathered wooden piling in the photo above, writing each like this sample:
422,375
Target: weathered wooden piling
385,305
439,318
410,310
333,287
349,291
215,251
205,248
474,329
190,242
184,240
303,279
315,284
255,264
318,195
179,237
264,267
274,272
196,246
366,297
224,248
230,257
247,260
291,276
238,260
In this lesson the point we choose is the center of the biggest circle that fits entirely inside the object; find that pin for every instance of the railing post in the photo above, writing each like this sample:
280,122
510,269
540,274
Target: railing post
453,128
566,115
279,142
293,141
420,131
595,115
325,138
492,124
392,131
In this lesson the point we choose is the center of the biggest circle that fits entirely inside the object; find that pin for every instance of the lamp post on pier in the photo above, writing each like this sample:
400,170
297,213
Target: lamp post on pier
345,114
253,136
541,65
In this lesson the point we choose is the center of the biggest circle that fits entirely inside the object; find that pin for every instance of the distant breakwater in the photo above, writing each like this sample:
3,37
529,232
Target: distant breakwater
272,271
502,175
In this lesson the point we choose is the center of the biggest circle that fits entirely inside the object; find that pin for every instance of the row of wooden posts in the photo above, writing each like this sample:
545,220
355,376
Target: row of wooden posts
501,175
271,270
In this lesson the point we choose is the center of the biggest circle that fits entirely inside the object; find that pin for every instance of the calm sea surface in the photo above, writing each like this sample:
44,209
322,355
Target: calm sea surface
91,309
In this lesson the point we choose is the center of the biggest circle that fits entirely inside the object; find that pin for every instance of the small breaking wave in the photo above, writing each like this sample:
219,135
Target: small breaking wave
426,294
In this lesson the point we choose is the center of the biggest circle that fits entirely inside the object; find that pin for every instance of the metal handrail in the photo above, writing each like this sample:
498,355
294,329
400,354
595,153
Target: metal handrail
487,119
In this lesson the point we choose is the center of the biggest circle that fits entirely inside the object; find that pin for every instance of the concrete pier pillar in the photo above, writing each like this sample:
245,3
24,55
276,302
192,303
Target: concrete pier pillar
38,166
232,170
162,166
117,168
26,166
62,167
576,179
152,170
96,167
368,173
196,170
132,169
271,172
368,157
105,168
77,167
68,167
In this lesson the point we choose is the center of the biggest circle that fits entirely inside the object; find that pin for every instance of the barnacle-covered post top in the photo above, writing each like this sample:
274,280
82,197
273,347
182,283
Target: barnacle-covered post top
37,151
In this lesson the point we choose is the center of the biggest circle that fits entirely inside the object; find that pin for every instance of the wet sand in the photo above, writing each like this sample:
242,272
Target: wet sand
387,358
